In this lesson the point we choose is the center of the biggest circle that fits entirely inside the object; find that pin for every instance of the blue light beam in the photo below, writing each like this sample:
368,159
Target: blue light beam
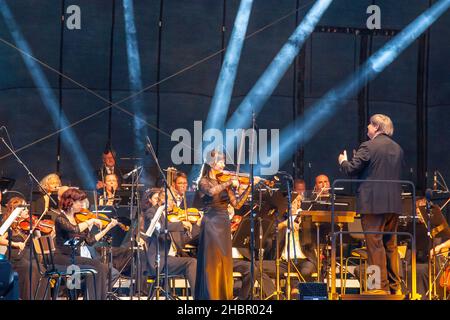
134,75
300,131
68,137
224,88
266,84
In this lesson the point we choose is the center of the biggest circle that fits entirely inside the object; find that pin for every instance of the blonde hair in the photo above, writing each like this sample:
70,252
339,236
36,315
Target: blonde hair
384,124
45,180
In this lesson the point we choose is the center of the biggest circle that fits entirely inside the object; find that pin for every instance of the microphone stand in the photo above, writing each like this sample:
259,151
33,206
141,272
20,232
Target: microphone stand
252,212
32,179
261,249
431,284
135,237
289,231
166,223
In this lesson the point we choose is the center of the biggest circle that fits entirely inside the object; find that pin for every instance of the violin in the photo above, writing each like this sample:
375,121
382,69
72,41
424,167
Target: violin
85,215
190,214
243,178
235,221
44,226
444,281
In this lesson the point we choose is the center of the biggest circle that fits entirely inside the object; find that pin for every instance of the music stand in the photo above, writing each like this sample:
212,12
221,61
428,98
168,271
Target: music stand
241,238
6,183
151,229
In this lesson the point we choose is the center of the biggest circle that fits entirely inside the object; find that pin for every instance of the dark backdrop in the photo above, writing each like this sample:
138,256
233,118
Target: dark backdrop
96,56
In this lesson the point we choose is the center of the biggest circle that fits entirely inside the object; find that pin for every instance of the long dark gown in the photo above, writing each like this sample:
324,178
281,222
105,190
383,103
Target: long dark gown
214,259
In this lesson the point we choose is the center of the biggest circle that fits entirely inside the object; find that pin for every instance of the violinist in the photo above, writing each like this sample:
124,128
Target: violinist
67,228
19,255
177,261
151,199
43,204
179,188
215,262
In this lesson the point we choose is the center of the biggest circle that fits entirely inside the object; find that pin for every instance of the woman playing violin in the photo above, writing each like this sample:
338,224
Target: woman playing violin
215,263
67,227
43,204
177,261
19,257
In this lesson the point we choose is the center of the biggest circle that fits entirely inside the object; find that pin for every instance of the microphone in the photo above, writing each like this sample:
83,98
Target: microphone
435,181
126,175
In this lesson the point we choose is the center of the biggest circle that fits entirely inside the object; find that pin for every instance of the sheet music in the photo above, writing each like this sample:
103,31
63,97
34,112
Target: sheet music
155,220
17,211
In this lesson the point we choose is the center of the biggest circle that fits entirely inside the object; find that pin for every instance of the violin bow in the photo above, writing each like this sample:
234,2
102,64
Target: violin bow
241,147
32,228
95,202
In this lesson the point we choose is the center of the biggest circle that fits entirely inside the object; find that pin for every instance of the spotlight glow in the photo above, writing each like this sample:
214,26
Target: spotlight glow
266,84
225,83
68,137
134,75
300,131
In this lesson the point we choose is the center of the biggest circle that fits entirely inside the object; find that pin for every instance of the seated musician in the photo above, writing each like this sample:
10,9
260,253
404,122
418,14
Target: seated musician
111,186
242,264
19,255
151,198
302,251
51,183
300,186
322,186
67,228
441,252
109,166
177,261
179,188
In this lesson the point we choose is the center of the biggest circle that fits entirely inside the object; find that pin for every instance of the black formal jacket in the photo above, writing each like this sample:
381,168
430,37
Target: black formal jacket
378,159
175,229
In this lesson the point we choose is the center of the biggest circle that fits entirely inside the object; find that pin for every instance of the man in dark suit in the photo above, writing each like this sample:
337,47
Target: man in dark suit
109,166
178,262
379,204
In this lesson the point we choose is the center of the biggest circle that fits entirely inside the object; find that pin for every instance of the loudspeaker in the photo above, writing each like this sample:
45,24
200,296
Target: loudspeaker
312,291
9,282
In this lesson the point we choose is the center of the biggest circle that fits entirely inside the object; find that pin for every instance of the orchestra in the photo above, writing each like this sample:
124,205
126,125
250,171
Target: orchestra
204,226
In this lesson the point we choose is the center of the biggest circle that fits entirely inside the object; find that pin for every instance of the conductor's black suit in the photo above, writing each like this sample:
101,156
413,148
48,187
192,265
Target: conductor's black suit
379,203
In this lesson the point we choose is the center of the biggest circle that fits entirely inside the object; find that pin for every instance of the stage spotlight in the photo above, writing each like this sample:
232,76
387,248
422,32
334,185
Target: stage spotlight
68,137
224,88
266,84
135,76
300,131
225,83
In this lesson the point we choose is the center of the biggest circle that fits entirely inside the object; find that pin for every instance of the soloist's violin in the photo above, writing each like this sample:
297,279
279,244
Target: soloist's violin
243,178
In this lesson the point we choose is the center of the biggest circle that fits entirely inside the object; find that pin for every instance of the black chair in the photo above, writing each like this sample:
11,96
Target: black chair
44,249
